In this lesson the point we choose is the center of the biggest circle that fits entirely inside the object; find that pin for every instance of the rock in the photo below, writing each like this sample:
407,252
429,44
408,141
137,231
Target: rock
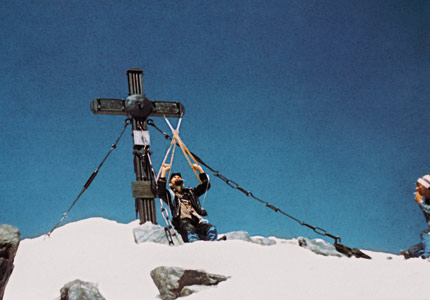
319,246
9,242
149,232
264,241
174,282
238,235
244,236
350,252
80,290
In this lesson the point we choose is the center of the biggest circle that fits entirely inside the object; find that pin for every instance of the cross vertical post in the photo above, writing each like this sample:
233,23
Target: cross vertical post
138,108
143,187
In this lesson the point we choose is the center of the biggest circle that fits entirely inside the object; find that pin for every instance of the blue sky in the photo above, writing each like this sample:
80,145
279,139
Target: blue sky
318,107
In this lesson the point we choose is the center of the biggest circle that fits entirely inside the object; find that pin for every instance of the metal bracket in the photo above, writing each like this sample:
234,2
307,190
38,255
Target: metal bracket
142,190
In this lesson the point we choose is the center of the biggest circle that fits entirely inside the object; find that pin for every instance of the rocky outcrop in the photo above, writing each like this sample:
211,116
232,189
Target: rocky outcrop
244,236
149,232
319,246
80,290
174,282
322,247
9,242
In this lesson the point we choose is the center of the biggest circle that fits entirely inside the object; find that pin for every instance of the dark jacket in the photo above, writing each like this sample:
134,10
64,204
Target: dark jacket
192,194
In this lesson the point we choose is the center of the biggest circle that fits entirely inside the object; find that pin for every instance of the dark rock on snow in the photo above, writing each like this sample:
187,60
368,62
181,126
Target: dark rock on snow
174,282
80,290
9,242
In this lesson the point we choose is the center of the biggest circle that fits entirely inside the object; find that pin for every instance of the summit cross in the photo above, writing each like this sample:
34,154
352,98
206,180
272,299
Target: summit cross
137,107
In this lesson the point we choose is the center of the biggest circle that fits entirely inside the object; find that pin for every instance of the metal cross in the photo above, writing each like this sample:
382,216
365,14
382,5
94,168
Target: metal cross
138,108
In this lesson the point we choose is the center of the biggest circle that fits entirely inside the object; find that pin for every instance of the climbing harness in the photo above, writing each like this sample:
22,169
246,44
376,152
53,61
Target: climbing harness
318,230
90,180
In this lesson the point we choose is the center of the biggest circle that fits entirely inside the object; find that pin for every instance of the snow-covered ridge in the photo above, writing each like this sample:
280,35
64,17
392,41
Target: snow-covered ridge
105,252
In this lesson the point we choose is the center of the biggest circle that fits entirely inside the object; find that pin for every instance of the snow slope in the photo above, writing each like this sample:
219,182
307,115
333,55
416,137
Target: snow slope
104,252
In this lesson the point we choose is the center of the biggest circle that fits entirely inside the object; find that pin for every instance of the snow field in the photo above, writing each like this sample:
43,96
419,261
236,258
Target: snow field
104,252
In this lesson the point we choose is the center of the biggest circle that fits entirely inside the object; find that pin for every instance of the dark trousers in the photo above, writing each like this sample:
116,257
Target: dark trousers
191,230
422,249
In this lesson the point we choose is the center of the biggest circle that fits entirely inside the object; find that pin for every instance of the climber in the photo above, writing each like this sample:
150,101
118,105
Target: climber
422,197
184,204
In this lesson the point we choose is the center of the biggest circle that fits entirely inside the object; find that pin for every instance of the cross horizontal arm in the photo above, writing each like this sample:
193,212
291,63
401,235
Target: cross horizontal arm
108,106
